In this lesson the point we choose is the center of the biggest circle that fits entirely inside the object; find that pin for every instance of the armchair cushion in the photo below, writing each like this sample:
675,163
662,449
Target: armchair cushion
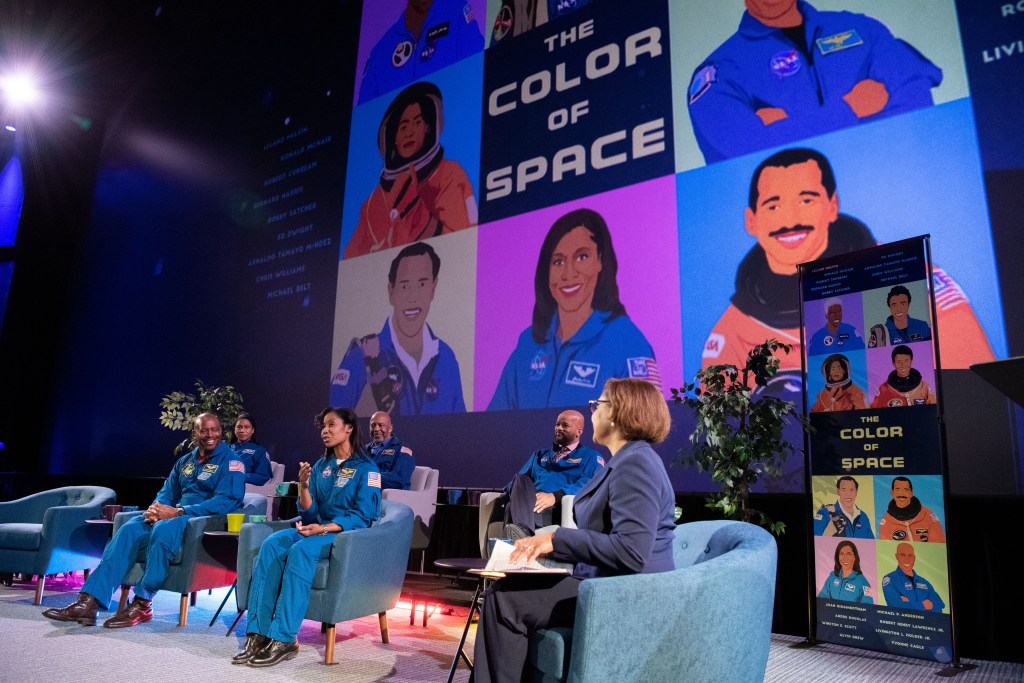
14,536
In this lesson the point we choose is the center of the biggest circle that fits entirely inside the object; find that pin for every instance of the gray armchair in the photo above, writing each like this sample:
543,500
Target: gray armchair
201,563
422,498
362,576
709,620
46,533
492,526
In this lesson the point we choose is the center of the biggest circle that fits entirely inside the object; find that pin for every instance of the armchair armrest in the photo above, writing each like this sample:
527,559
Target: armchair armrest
121,517
567,519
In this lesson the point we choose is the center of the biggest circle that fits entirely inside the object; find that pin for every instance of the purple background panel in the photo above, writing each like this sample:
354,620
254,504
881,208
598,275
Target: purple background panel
880,365
641,219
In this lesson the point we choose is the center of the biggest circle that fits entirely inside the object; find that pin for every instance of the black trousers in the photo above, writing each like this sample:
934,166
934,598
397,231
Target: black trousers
521,500
514,608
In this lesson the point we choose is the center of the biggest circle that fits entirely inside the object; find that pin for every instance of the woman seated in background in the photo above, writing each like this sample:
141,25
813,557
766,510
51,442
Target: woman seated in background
253,456
624,516
340,492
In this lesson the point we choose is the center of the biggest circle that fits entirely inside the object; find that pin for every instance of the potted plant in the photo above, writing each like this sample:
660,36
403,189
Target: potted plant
179,410
738,436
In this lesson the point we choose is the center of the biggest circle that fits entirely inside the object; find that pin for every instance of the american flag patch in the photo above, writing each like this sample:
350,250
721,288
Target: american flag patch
645,368
236,466
406,450
373,479
947,293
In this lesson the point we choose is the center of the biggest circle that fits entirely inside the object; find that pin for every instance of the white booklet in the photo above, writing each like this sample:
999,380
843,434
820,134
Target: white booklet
499,563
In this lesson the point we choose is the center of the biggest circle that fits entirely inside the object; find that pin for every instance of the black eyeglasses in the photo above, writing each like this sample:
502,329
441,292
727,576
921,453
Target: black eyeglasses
596,402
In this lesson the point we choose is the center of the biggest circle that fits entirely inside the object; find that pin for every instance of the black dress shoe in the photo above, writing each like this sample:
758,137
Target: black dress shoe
138,611
514,532
254,644
276,652
83,611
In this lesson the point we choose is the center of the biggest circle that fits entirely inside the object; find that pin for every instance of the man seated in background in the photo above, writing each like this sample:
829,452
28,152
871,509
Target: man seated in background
393,458
208,480
533,499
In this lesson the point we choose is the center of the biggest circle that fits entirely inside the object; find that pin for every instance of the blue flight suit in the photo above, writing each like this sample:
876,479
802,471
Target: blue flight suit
859,527
557,373
917,330
759,66
439,389
852,588
449,34
256,461
347,495
395,462
567,475
213,487
917,589
845,339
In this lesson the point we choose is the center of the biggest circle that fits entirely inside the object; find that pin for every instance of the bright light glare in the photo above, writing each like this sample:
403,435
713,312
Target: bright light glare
19,90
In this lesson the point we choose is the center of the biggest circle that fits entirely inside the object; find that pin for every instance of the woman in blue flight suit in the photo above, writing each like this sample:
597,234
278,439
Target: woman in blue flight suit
340,492
846,581
581,335
253,455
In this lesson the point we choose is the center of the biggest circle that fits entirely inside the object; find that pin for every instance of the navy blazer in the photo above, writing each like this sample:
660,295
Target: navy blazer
625,518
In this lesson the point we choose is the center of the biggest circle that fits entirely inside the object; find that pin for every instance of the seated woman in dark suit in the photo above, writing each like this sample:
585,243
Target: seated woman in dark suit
624,516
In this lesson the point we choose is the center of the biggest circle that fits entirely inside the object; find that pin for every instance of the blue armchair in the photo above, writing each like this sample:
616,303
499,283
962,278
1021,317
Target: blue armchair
200,564
45,533
708,620
362,576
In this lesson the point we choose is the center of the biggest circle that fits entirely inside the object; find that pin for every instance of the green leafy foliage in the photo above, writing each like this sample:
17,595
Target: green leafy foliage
738,436
179,410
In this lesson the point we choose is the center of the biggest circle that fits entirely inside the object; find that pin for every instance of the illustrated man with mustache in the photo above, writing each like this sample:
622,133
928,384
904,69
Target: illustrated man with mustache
410,371
906,519
793,212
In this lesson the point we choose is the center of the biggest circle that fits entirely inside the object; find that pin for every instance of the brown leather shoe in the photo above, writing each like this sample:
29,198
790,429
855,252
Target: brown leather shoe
254,644
83,611
277,651
138,611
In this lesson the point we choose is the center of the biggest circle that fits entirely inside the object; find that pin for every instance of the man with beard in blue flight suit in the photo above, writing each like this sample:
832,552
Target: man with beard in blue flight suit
208,480
533,499
429,35
410,371
394,459
904,587
791,72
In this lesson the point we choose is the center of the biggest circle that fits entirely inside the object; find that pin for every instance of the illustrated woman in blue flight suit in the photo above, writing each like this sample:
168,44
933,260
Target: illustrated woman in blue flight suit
581,335
252,454
340,492
846,581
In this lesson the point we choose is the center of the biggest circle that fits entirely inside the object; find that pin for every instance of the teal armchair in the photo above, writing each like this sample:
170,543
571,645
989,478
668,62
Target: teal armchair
362,576
46,533
201,563
707,621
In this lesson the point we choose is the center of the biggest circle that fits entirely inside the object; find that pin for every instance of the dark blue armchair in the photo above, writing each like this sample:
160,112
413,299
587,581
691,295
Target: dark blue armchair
362,576
45,533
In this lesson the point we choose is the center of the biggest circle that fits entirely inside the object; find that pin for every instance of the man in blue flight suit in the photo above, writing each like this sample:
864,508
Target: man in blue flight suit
903,587
429,35
901,328
208,480
410,371
791,72
533,499
836,335
843,518
394,459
